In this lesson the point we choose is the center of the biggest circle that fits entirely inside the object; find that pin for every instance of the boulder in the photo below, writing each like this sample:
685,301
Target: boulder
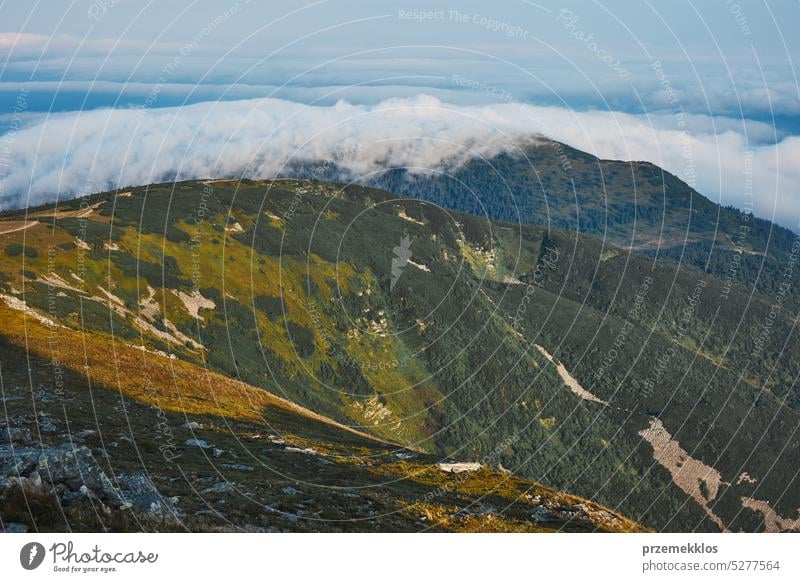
542,513
66,465
13,434
139,492
198,443
221,487
459,467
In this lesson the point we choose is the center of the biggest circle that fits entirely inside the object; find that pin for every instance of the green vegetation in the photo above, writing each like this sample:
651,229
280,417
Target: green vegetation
268,449
629,204
15,250
444,361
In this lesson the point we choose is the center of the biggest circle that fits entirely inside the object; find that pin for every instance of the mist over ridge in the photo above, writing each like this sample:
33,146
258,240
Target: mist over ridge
65,155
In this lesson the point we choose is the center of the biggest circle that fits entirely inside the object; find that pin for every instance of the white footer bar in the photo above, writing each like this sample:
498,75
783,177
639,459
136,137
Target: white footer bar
389,557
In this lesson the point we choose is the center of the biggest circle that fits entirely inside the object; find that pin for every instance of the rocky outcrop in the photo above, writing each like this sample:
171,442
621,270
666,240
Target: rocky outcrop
72,474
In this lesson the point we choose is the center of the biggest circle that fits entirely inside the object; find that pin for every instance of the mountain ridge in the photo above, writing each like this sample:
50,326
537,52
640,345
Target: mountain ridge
446,359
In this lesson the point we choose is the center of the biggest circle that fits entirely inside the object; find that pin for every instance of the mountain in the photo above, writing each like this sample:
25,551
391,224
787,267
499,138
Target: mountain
634,205
635,382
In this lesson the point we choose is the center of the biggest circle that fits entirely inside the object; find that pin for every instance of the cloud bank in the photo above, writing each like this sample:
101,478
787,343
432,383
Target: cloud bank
71,154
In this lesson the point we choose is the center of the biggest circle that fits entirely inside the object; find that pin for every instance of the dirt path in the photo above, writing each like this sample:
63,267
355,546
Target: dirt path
10,226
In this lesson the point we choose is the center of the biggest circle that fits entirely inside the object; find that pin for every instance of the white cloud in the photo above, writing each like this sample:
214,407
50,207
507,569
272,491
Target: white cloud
23,45
72,153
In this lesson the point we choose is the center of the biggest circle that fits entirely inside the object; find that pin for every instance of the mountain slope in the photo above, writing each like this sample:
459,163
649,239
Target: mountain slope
511,345
633,205
273,466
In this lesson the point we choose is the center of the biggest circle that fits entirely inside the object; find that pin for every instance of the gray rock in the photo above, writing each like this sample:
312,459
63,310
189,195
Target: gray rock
541,513
72,473
35,479
474,510
191,425
13,434
85,433
217,452
198,443
43,395
15,528
70,496
66,465
221,487
19,461
139,492
305,451
290,491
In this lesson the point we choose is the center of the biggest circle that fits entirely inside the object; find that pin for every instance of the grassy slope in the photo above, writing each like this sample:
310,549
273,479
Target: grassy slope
630,204
135,400
279,299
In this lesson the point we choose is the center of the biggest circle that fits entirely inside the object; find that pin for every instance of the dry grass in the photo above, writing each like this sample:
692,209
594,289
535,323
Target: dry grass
172,385
9,226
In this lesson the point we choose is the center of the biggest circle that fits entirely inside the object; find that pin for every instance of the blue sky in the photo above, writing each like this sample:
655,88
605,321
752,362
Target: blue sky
723,58
703,67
